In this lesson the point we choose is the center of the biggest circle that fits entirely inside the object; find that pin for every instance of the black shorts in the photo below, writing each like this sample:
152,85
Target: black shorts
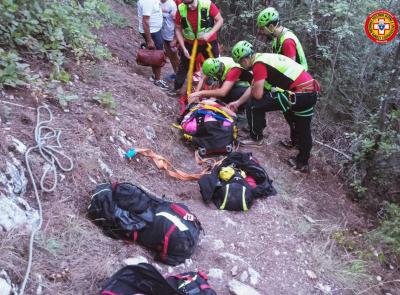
157,38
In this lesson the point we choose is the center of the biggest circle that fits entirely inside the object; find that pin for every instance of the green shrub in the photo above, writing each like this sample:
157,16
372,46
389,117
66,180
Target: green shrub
107,100
389,230
13,72
64,98
50,28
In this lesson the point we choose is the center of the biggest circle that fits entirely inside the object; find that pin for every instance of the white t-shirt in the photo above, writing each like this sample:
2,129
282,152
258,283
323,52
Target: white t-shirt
169,10
150,8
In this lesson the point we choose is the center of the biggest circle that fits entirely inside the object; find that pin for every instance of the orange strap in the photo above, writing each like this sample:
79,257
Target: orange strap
163,163
210,162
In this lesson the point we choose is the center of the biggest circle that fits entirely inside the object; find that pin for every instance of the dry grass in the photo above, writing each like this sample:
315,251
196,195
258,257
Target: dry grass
334,261
69,251
10,252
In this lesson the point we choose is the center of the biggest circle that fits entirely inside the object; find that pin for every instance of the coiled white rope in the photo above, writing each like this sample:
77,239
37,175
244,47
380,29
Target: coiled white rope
48,144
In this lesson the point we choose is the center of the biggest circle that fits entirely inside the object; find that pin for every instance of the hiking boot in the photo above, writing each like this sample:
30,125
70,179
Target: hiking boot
303,168
161,84
287,143
152,78
252,142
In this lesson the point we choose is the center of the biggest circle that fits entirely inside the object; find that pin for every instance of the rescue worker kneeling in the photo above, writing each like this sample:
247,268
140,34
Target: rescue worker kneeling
225,80
293,90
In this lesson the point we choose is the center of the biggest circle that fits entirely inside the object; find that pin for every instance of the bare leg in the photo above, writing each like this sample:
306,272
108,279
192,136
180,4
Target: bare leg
157,73
173,56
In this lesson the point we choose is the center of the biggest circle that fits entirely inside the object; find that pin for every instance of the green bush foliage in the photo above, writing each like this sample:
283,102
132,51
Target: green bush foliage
389,230
48,29
13,72
107,100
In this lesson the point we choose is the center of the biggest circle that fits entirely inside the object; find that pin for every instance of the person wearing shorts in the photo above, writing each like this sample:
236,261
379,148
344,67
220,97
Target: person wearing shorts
150,24
169,9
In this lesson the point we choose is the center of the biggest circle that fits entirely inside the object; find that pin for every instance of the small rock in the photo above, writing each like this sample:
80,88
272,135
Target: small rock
276,252
62,177
155,107
238,288
229,221
311,274
324,288
39,289
104,167
135,260
21,148
232,257
242,245
244,276
218,244
216,273
150,133
379,278
309,219
13,216
121,152
92,140
13,179
188,262
235,270
5,283
254,276
5,288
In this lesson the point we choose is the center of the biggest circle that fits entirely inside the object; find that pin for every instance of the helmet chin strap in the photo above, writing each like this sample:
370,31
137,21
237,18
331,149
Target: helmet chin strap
274,30
271,32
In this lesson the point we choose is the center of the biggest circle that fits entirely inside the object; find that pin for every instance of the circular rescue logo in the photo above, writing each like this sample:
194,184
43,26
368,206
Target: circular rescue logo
381,26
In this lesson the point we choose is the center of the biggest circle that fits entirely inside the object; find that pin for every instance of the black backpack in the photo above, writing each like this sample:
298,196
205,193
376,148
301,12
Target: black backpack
142,278
174,233
212,137
120,209
145,279
192,283
125,211
236,194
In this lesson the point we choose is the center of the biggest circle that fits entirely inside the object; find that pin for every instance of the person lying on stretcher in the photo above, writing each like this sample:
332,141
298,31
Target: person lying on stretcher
225,80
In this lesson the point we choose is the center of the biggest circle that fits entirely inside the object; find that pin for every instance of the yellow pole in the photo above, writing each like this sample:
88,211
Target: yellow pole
191,67
209,50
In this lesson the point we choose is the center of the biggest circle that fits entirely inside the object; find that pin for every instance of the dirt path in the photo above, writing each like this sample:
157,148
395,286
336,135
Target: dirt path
284,245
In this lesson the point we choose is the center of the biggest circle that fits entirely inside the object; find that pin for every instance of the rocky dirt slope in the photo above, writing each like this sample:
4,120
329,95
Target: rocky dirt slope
286,244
